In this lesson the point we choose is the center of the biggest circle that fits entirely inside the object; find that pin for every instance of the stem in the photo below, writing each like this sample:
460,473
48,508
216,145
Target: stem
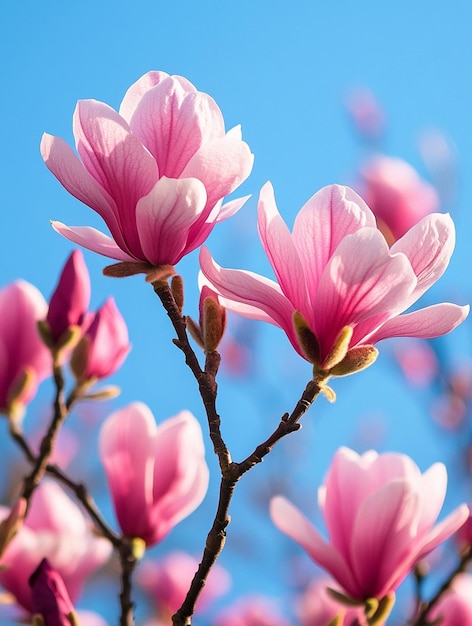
421,619
128,563
231,472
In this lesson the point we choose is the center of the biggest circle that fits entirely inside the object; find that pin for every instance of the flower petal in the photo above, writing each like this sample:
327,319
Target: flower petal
137,90
92,239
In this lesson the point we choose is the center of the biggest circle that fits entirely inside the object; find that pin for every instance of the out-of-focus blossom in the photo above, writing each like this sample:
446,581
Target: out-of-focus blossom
156,172
24,359
157,474
212,321
49,596
89,618
366,113
167,581
396,194
464,534
418,362
56,529
340,287
455,605
70,300
380,512
317,608
252,611
104,346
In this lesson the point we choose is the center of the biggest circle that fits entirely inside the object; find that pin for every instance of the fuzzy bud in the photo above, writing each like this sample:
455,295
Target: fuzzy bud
212,319
356,359
306,338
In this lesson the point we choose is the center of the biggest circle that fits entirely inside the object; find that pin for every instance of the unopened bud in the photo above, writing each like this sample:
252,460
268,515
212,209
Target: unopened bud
177,288
356,359
213,323
195,331
307,339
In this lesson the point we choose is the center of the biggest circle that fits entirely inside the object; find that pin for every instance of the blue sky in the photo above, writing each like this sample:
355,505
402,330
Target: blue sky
282,70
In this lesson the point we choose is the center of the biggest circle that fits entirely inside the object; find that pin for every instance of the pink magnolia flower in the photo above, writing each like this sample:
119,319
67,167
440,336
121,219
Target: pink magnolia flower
49,596
316,607
380,513
104,345
156,172
337,271
24,359
396,194
70,300
157,474
167,581
252,611
55,528
454,606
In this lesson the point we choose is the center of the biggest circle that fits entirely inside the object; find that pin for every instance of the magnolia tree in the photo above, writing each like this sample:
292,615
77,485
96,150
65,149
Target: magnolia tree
157,172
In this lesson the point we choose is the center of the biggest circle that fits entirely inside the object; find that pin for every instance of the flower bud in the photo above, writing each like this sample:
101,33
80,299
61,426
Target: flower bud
49,596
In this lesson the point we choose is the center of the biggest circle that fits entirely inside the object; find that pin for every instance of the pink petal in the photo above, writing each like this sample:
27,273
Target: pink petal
321,224
66,167
117,160
137,90
434,484
442,531
432,321
173,122
429,245
290,521
357,287
92,239
126,447
280,250
222,165
247,293
231,208
165,215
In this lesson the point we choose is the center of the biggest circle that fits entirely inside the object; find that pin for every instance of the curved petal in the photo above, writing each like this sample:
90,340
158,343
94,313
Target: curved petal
93,240
356,287
164,218
222,165
280,250
433,483
126,446
293,523
117,160
247,288
173,122
429,245
442,531
137,90
329,215
231,208
432,321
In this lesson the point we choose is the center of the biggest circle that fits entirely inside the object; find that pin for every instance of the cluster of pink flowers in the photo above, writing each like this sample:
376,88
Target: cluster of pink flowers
157,172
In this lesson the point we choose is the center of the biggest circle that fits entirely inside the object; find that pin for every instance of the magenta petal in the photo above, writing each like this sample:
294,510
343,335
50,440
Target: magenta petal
328,216
277,243
165,215
93,240
290,521
432,321
137,90
127,452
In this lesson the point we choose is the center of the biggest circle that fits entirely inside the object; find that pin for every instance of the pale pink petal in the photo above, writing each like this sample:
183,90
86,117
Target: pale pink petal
355,287
67,168
117,160
433,483
442,531
93,240
280,250
126,447
173,122
248,293
328,216
429,245
222,165
432,321
165,215
293,523
137,90
383,533
231,208
51,509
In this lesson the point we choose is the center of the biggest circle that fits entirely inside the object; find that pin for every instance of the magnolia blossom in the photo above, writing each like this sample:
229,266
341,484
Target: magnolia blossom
24,359
380,512
70,300
49,596
316,607
455,605
337,277
55,528
397,195
156,171
252,611
167,582
157,474
104,345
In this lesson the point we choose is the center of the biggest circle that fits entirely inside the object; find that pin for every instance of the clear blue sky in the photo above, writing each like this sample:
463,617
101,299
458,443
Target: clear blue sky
282,70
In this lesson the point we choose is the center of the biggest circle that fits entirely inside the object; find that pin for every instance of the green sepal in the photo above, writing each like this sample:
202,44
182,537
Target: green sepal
356,359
